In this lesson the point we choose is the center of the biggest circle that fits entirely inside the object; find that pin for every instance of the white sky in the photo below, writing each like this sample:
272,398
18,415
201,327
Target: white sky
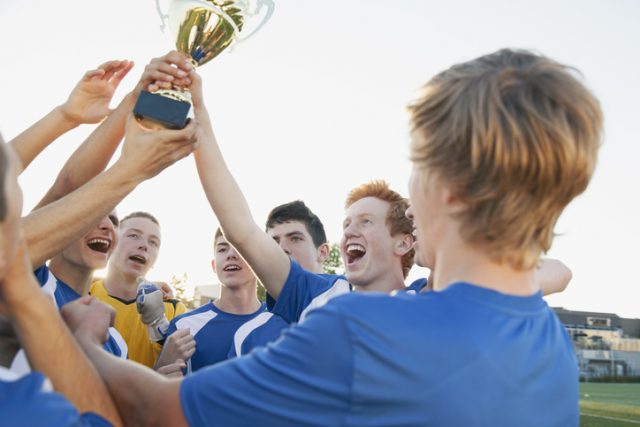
313,105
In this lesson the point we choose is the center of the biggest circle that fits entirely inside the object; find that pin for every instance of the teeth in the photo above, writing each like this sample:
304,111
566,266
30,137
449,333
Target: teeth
138,258
98,240
355,248
231,268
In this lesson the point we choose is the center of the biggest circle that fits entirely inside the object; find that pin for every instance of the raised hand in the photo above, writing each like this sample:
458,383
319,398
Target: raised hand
89,100
165,72
147,152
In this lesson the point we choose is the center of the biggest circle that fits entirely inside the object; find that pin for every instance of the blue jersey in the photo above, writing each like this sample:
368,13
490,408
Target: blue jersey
213,331
257,332
29,401
465,356
416,286
64,294
304,291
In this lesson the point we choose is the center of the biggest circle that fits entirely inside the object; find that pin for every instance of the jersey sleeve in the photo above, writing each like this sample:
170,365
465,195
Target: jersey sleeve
302,380
299,290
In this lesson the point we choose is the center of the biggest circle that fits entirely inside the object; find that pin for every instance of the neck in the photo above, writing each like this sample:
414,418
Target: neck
120,285
239,300
76,276
457,261
391,280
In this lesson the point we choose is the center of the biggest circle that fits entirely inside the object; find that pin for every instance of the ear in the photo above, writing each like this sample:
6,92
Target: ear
404,243
213,265
323,252
450,200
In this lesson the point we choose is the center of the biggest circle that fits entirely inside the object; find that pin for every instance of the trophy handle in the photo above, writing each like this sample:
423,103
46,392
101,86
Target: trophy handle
163,16
259,5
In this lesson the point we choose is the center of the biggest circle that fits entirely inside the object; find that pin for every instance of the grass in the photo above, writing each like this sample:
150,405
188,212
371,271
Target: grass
609,405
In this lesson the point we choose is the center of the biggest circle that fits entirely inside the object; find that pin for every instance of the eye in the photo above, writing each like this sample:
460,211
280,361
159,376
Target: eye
296,239
133,235
154,243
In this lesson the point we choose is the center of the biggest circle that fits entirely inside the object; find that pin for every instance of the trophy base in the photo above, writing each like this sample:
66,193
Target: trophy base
152,109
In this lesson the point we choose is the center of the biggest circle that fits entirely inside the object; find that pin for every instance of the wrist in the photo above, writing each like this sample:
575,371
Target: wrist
66,117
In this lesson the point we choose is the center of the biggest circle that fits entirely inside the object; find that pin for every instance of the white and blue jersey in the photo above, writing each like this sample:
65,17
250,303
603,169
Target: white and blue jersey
266,327
29,401
213,331
416,286
304,291
465,356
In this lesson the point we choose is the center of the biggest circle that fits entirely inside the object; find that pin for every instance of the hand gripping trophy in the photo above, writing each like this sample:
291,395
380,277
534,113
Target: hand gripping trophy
201,29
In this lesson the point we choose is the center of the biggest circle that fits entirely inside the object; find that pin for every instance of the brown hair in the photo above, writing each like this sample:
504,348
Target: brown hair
515,135
396,219
140,214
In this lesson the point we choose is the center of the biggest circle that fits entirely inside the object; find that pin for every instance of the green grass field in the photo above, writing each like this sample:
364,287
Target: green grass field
609,405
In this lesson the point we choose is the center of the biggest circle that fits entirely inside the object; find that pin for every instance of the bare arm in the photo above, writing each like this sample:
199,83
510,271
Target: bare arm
50,347
145,153
133,386
262,253
87,103
553,276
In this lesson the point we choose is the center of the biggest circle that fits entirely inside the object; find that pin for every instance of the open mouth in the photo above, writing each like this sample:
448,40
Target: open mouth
138,259
231,267
99,245
355,252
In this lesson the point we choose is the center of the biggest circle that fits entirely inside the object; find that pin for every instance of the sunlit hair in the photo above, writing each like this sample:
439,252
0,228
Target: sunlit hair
396,219
515,136
298,211
140,214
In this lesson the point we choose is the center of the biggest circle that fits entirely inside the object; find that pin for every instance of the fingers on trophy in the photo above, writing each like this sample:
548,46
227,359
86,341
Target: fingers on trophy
201,29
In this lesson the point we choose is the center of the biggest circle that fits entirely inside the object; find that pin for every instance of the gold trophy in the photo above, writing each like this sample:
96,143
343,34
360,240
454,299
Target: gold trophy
202,29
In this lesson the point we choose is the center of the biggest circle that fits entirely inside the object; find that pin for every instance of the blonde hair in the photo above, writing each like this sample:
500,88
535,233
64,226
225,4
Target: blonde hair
395,219
515,136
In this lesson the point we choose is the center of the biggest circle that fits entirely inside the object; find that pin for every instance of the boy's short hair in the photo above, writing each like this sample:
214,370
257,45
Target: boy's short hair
298,211
396,219
515,136
140,214
4,170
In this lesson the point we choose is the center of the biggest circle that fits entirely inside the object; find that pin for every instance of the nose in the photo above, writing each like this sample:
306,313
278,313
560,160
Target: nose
284,247
232,254
106,224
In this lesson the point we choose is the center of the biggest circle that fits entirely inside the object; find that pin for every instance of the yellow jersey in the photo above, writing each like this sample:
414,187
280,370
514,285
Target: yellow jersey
128,323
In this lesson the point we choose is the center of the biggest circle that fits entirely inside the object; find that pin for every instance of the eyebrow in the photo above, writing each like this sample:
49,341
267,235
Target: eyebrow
222,244
294,233
137,230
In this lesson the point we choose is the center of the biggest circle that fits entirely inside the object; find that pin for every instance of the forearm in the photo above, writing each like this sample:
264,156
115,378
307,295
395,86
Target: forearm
134,386
52,350
52,228
92,156
37,137
264,256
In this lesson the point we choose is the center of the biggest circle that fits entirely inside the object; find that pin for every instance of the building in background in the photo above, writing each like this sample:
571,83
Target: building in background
605,344
202,294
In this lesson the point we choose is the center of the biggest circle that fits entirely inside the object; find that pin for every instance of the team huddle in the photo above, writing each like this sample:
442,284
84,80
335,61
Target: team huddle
499,146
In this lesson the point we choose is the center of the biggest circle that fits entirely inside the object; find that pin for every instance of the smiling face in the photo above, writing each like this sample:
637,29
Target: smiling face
232,271
295,240
138,247
368,249
93,250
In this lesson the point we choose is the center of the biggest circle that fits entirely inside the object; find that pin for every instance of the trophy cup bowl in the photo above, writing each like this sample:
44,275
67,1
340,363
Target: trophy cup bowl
202,29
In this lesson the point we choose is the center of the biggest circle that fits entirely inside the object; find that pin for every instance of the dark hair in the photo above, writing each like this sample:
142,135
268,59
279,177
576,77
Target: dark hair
4,169
298,211
140,214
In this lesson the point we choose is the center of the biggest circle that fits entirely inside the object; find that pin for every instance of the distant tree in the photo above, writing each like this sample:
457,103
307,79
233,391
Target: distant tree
262,292
179,286
333,263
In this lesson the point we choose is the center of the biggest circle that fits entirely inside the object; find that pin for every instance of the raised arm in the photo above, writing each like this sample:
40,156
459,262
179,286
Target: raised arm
95,152
87,103
49,345
144,154
263,254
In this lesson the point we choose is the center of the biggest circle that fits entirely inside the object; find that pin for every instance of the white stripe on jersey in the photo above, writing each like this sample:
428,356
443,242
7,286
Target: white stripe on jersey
339,287
194,323
122,344
243,331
